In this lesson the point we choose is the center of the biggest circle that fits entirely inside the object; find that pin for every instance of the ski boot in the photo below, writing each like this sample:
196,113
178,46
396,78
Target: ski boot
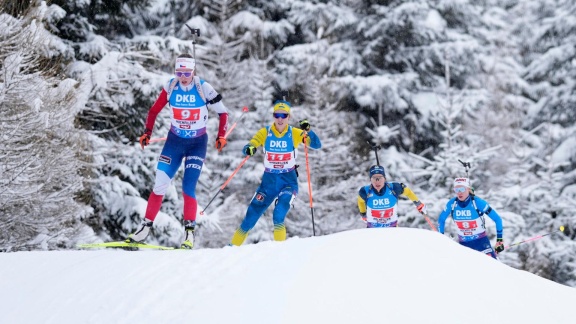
140,235
189,227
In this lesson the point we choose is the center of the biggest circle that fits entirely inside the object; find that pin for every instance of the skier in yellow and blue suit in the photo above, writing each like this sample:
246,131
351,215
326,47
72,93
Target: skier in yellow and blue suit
378,202
279,180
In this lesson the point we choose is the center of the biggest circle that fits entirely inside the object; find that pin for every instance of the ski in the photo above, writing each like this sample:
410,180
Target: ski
123,244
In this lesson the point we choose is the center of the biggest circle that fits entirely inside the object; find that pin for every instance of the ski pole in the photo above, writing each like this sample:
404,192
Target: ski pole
226,183
309,184
466,166
244,110
194,31
430,222
561,229
158,139
375,148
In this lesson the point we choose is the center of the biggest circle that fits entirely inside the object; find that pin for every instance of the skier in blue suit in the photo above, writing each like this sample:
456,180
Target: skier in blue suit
468,212
279,181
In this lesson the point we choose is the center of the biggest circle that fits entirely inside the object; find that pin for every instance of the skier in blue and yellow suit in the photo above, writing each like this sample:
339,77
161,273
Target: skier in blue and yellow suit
378,202
279,180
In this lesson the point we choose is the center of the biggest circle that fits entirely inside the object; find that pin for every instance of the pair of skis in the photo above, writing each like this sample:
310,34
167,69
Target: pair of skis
126,245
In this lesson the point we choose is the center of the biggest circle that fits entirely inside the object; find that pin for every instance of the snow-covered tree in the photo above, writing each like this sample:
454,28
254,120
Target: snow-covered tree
41,152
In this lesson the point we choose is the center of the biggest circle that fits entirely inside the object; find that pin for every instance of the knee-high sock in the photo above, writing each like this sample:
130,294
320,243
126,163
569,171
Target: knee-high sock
154,203
239,237
190,208
279,232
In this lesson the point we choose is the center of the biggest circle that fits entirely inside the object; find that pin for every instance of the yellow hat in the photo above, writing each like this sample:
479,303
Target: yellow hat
282,105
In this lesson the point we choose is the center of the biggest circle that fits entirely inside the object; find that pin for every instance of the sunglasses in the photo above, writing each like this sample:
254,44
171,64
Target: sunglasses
280,115
377,178
186,74
459,189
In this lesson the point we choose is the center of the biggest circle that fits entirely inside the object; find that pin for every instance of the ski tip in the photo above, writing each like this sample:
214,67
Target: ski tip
244,109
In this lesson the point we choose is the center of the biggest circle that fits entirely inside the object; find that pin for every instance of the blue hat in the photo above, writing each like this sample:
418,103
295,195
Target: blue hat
377,169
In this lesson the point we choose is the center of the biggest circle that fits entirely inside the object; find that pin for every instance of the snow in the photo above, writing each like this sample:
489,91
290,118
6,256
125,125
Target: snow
398,275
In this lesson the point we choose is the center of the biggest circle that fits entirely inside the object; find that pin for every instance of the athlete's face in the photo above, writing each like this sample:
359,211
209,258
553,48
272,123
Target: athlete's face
184,76
377,181
281,119
462,192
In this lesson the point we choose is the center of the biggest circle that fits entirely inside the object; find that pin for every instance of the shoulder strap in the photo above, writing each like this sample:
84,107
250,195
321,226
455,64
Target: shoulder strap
171,87
199,88
453,207
196,81
392,189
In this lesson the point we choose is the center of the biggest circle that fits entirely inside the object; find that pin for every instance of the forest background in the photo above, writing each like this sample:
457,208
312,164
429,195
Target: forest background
432,82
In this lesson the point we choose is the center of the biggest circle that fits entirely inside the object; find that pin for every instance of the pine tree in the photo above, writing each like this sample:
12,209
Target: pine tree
41,152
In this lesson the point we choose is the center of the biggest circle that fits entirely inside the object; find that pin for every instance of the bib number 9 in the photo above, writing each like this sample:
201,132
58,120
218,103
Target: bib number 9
186,114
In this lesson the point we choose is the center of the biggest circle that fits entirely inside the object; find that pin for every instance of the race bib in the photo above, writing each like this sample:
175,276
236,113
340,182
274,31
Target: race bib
379,214
277,157
186,114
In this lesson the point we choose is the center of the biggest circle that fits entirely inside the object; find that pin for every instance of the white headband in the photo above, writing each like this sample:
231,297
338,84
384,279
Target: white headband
462,182
185,63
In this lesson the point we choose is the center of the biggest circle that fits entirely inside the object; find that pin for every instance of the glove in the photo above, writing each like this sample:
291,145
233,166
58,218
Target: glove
145,138
422,208
249,150
364,217
304,125
499,245
220,143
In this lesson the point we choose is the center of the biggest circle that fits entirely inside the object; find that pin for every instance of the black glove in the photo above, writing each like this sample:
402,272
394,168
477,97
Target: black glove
363,217
304,125
249,150
499,245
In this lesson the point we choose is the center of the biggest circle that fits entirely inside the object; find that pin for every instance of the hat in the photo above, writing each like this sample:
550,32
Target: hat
185,63
377,169
282,105
462,182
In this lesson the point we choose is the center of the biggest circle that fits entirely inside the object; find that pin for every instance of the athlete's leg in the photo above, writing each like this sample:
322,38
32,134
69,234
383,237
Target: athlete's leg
280,211
168,164
264,196
288,191
194,161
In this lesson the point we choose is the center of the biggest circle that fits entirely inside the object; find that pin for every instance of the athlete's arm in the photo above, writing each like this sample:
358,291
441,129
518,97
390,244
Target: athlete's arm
443,217
312,140
484,207
161,101
259,138
362,196
214,101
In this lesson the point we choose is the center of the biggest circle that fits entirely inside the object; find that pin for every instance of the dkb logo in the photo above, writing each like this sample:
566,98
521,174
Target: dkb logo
378,202
281,144
465,213
185,98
